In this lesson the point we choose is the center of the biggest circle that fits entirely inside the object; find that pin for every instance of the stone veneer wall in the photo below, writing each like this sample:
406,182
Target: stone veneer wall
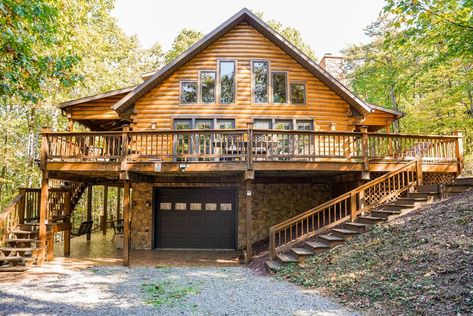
272,203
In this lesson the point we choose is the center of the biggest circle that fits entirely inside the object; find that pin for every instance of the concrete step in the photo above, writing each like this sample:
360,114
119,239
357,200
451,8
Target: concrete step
467,181
273,265
359,227
344,233
370,219
302,253
287,258
331,240
385,214
317,247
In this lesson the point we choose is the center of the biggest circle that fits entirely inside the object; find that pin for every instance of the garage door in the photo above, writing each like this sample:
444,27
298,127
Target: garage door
195,218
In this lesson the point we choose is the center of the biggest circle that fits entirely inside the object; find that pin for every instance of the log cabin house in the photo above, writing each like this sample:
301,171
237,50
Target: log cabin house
240,133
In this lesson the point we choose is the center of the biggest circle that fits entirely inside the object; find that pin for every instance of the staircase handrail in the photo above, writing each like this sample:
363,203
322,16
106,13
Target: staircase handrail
350,205
10,216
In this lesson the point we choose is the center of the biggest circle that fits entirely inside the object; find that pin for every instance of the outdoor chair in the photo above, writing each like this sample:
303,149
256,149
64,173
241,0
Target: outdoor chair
84,228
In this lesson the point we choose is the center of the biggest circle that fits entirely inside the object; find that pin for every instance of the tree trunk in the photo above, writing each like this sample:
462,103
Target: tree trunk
395,107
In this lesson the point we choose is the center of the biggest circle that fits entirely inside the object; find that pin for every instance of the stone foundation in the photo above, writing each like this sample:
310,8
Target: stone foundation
271,204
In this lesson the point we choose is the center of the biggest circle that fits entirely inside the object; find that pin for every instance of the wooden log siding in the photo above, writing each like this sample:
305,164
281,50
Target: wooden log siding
266,145
343,208
242,44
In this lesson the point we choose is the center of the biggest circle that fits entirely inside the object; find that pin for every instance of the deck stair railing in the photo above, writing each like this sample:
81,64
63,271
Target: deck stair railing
248,145
25,208
345,207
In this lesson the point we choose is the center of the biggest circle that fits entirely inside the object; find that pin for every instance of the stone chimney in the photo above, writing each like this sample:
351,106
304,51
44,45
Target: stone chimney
334,65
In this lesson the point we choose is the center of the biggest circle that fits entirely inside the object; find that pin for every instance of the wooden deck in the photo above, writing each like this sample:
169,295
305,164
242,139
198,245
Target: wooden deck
190,152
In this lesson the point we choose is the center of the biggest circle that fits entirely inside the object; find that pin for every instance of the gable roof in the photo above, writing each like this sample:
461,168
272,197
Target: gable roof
125,105
95,97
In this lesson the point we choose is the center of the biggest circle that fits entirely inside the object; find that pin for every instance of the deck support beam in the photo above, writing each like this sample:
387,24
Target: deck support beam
67,232
43,214
126,224
89,207
105,210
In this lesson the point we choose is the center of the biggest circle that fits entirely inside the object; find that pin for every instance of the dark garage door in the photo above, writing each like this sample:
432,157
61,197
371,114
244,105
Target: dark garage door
195,218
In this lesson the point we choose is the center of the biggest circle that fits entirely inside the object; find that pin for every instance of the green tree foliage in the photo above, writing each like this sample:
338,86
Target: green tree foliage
185,39
420,61
291,34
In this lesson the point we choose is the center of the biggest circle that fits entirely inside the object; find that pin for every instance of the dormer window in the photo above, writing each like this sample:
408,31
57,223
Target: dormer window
207,86
188,92
260,81
227,81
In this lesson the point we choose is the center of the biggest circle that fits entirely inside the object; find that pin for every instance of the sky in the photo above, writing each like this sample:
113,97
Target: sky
327,26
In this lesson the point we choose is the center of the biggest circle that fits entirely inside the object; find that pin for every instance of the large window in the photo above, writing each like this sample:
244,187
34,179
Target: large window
263,124
298,93
279,83
227,82
188,92
260,81
207,86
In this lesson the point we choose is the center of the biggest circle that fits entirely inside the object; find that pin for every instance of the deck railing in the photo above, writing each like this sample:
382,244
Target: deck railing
249,145
344,208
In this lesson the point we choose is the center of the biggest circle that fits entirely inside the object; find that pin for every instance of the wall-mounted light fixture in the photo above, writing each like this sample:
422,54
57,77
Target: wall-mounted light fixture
147,204
153,125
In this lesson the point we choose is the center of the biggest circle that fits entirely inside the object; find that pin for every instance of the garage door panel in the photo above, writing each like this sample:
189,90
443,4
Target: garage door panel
195,218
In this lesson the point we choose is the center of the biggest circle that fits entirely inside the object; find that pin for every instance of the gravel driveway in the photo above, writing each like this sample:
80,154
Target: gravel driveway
161,291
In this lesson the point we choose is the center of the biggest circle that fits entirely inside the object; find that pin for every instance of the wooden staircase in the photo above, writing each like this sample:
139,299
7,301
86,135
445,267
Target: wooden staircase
19,227
20,251
340,234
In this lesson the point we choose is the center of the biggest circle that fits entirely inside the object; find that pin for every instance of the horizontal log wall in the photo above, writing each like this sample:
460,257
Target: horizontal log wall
242,44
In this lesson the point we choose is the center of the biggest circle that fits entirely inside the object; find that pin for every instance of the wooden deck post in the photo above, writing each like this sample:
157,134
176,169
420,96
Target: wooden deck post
365,153
390,140
419,171
21,207
119,191
89,207
126,223
67,232
249,153
459,150
43,213
353,206
249,222
105,211
43,206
